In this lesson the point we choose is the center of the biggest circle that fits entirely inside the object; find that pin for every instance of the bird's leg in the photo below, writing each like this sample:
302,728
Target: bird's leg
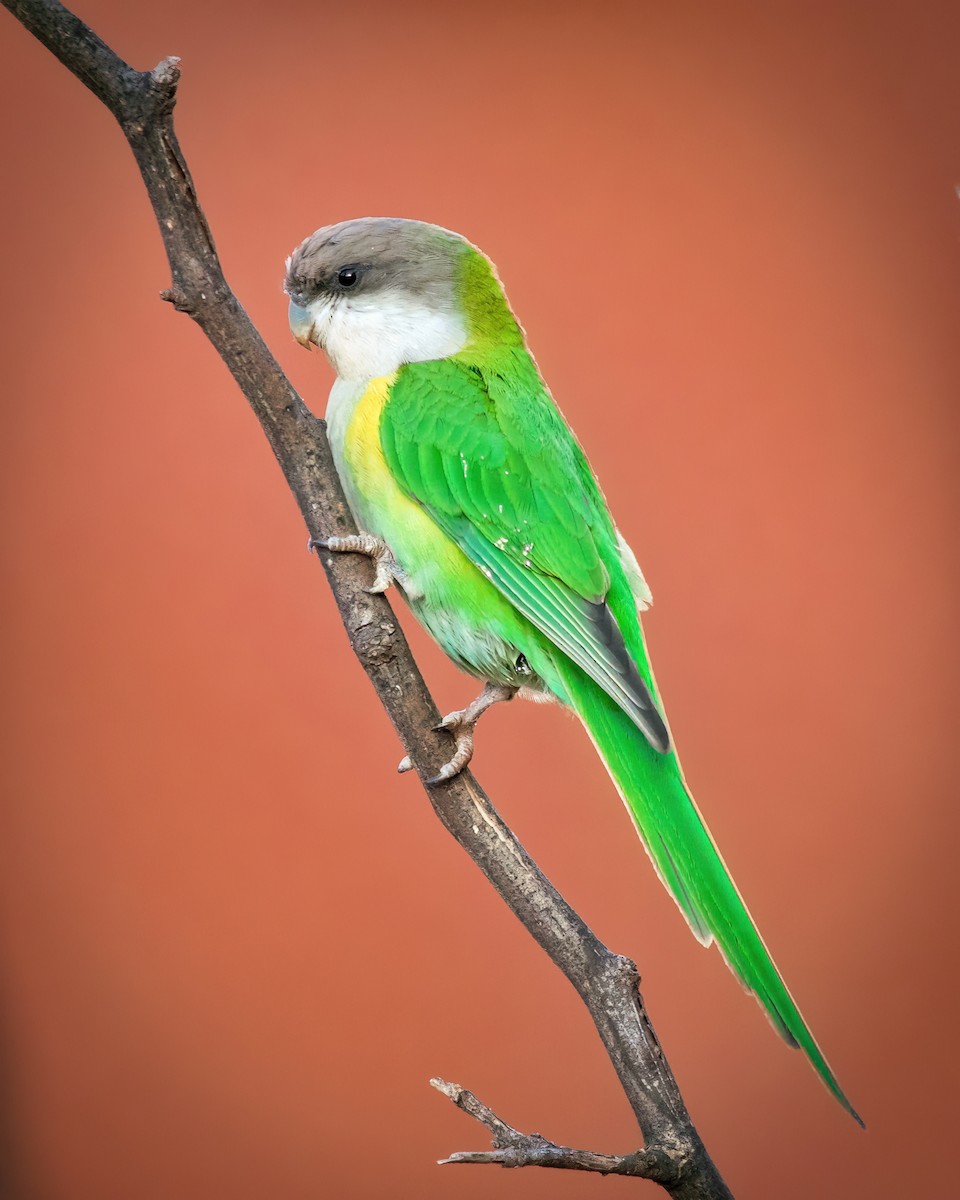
388,570
462,724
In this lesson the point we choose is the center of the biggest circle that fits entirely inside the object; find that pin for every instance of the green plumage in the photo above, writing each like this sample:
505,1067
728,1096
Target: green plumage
499,471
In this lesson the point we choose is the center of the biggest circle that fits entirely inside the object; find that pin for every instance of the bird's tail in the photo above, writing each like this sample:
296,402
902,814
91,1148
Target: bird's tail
687,860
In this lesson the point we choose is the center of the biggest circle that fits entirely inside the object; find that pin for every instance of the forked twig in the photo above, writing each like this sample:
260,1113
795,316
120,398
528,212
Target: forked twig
511,1148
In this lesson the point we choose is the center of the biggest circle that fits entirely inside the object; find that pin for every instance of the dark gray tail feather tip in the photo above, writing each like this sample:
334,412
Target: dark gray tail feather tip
849,1107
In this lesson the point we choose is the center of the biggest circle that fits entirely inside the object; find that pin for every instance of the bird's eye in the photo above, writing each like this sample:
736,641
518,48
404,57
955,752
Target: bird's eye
347,276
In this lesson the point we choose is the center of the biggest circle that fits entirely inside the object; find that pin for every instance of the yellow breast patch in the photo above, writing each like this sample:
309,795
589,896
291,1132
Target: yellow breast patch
362,448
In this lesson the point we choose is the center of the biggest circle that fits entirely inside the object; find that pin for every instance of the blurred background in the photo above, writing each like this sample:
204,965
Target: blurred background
234,945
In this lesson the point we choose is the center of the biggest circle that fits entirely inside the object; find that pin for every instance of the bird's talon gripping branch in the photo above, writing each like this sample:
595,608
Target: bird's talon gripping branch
462,724
387,569
450,769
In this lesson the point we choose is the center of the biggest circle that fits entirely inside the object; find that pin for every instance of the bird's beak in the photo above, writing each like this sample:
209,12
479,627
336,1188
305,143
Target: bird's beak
301,325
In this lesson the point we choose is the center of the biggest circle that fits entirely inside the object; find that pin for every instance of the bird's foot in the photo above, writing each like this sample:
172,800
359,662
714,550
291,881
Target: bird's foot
387,569
462,725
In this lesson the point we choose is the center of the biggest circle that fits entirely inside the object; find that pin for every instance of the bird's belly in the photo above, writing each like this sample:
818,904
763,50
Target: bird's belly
461,609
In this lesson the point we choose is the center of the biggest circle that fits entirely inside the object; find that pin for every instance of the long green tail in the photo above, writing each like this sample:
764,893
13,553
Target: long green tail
687,860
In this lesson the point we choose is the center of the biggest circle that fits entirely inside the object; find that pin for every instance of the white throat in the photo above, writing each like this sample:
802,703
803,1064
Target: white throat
366,338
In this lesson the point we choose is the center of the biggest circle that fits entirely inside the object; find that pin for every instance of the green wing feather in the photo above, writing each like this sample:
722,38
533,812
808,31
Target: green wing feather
481,446
484,449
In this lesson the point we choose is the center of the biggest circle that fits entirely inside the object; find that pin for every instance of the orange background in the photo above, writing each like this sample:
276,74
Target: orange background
234,943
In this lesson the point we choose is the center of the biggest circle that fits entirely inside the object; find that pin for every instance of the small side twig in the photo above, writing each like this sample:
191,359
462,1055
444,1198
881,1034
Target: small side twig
511,1148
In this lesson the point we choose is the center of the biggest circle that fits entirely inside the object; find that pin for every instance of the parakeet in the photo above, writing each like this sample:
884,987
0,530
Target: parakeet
473,495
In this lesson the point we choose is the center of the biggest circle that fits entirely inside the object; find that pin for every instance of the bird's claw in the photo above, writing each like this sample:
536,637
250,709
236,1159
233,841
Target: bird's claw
387,569
462,724
462,727
447,771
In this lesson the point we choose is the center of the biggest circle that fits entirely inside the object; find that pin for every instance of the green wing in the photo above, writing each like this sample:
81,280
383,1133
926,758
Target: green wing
482,447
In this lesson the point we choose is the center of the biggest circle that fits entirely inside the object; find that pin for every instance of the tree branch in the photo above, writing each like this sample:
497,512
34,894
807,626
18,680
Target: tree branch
142,103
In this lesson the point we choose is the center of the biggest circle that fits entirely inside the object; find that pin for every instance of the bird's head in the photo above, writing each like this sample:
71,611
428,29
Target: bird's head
378,292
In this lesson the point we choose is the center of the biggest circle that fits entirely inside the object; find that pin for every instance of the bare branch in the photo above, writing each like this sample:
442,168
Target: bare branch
143,104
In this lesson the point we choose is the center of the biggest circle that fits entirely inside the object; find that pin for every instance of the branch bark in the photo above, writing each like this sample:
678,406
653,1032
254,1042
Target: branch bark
674,1156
